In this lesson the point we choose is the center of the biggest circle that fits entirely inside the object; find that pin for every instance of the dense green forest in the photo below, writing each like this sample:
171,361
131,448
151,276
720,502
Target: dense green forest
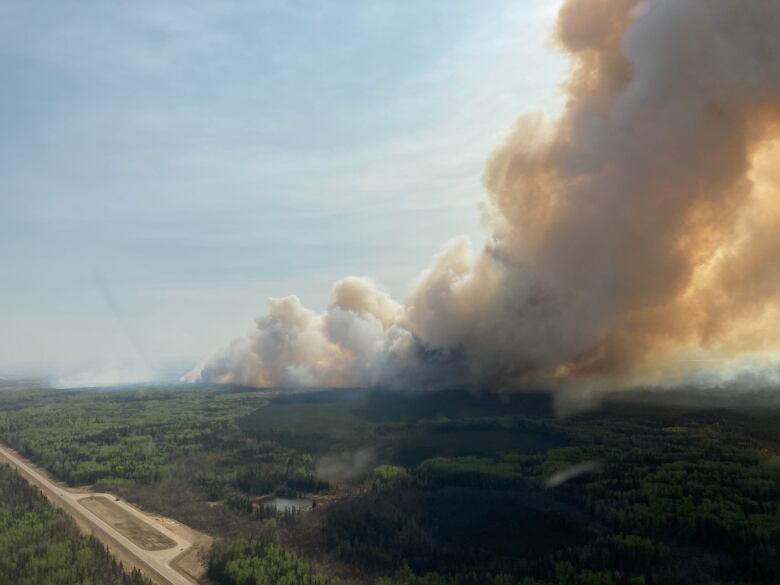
262,560
40,545
430,488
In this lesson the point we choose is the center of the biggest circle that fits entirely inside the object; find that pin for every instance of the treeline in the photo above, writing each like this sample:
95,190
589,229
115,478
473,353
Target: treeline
262,561
704,485
129,437
40,545
133,442
667,499
448,529
461,499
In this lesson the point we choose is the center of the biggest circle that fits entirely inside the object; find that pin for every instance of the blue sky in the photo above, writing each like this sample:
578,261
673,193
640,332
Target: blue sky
198,157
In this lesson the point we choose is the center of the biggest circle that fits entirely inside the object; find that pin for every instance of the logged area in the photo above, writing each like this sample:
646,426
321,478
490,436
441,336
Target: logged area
446,487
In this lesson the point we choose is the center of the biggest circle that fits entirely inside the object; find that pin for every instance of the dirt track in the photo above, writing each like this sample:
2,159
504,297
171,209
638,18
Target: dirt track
159,565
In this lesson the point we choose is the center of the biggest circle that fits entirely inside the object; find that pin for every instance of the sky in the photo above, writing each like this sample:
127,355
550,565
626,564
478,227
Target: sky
167,167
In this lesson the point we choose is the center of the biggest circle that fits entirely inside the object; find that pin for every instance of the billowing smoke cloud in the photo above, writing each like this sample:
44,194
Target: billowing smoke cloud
634,238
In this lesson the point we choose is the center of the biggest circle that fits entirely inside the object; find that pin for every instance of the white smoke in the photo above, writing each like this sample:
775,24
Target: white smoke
572,472
345,466
114,373
642,224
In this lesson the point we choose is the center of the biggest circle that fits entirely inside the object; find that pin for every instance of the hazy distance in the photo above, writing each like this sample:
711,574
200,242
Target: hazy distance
202,158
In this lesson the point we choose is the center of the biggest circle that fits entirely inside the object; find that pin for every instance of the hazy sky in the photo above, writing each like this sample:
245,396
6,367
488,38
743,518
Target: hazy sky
165,167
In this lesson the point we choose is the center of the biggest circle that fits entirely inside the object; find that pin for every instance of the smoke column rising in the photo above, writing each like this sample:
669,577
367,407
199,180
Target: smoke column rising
637,233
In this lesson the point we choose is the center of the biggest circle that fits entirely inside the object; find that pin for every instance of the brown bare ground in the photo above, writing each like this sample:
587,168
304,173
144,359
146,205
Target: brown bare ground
142,534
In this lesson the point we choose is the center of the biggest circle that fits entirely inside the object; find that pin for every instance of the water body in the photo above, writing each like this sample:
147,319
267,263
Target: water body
282,504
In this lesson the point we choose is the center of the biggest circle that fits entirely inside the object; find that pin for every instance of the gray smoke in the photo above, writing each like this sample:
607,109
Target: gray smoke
345,466
632,238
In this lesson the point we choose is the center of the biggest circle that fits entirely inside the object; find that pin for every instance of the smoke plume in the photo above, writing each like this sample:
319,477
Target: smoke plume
572,472
633,239
345,466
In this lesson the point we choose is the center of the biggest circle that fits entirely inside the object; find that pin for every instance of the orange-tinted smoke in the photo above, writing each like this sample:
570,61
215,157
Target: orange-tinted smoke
633,239
649,209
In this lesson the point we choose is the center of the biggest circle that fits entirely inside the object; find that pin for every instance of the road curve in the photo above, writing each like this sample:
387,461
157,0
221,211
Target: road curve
155,564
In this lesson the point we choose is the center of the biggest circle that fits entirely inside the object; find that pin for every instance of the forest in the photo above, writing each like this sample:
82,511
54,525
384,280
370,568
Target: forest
40,544
428,488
